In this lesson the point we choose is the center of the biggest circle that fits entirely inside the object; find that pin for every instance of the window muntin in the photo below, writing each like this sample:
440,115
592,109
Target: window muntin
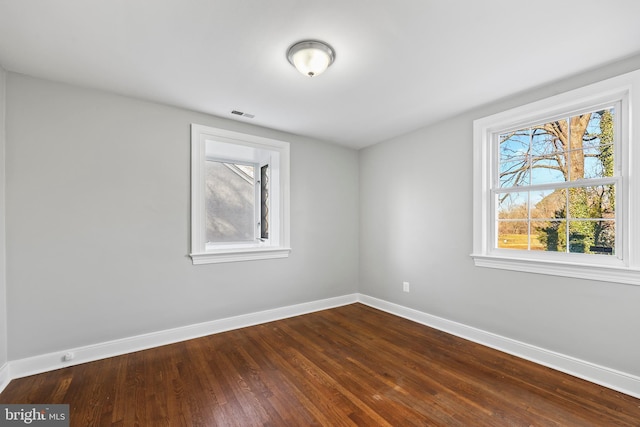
555,187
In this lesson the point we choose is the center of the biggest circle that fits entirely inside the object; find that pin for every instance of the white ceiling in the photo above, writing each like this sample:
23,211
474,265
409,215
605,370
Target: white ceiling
400,64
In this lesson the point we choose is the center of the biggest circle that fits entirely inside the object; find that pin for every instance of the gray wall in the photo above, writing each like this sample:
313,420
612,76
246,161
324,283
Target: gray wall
98,222
416,226
3,268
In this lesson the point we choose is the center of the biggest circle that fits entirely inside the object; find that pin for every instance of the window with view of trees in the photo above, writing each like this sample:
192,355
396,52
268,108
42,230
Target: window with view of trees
556,188
556,185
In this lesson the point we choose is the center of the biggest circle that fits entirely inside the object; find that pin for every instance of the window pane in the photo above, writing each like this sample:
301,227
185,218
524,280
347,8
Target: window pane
546,170
514,167
592,155
593,167
580,234
548,139
230,202
549,235
548,204
604,238
591,236
600,129
514,145
592,202
514,172
513,206
592,163
513,235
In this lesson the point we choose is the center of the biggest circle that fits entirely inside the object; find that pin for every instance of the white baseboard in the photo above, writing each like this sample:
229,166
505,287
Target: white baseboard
48,362
620,381
610,378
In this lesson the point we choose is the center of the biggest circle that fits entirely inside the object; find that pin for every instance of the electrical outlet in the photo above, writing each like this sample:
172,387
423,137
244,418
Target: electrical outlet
405,286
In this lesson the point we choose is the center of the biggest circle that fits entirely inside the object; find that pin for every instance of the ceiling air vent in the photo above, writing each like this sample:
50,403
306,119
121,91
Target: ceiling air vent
240,113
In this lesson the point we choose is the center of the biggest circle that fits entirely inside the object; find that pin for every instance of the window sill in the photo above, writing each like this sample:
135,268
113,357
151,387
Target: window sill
235,255
603,273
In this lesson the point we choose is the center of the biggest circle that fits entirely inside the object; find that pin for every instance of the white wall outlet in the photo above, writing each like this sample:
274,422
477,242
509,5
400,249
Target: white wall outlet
405,286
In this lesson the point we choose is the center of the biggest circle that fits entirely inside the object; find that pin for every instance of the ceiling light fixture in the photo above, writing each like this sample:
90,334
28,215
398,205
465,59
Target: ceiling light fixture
311,57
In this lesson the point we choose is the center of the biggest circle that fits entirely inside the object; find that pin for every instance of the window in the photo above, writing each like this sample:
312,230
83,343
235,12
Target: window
239,196
556,184
553,189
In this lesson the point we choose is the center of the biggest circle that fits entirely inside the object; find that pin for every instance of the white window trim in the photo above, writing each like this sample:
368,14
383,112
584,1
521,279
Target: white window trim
625,269
279,246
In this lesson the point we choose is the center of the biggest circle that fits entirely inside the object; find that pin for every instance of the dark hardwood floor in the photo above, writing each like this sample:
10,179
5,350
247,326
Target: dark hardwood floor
352,365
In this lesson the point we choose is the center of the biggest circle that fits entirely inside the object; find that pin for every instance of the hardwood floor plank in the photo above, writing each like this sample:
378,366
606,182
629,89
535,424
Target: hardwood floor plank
319,397
296,394
349,366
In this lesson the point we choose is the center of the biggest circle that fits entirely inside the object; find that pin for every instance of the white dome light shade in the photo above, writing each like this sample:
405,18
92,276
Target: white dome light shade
311,57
